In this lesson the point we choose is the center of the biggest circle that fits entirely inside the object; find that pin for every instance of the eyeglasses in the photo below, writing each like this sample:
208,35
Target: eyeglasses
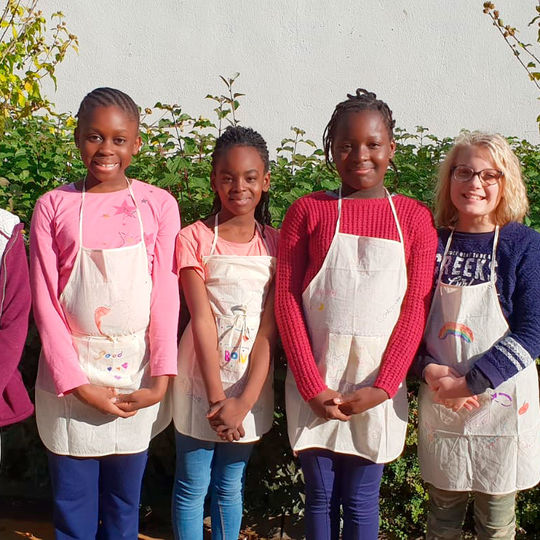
487,177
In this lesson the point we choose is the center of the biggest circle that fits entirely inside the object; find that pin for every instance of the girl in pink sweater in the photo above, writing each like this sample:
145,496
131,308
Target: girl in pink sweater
354,276
106,306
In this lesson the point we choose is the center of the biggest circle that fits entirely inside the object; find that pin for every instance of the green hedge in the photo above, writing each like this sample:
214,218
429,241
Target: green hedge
37,154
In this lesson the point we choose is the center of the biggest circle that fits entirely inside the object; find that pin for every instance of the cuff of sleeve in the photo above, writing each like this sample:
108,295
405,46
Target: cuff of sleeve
477,382
67,388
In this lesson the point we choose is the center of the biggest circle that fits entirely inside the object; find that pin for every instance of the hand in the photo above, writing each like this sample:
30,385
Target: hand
456,404
144,397
101,398
323,406
451,387
433,372
361,400
226,417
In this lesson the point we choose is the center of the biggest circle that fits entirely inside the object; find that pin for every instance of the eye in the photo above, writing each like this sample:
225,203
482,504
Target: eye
251,179
119,140
345,147
94,138
374,145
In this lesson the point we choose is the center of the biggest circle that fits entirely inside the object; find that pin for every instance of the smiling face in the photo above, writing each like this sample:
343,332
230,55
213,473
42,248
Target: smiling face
239,178
475,204
361,151
107,138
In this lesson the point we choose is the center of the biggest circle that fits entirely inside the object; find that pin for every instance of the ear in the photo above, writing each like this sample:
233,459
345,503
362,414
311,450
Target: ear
136,146
392,148
212,179
266,182
76,136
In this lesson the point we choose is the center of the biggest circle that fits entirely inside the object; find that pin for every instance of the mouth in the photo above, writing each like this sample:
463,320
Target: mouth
473,197
106,166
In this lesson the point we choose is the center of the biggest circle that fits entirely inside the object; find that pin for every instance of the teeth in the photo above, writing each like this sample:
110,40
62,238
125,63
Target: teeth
107,165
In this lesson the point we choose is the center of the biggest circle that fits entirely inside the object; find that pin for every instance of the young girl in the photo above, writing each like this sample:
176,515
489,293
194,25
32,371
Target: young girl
223,391
106,306
482,338
352,286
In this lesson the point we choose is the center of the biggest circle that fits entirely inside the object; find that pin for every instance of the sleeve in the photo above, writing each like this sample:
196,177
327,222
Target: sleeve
57,347
165,299
518,349
408,331
15,308
188,252
293,260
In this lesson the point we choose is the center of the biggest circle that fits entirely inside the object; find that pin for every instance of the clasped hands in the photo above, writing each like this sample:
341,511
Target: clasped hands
449,388
332,405
226,416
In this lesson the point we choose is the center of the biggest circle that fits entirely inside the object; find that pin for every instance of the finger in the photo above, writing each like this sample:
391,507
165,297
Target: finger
241,431
212,411
342,413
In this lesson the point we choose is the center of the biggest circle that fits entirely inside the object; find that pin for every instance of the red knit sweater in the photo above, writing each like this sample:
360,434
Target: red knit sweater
305,238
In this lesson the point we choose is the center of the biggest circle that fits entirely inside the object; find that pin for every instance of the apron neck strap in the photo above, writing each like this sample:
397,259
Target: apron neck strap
216,228
83,196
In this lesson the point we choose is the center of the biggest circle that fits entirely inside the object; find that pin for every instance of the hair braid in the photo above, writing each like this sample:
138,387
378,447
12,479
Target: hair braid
108,97
242,136
362,100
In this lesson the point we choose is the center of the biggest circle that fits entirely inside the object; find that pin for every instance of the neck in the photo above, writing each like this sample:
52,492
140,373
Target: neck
377,192
475,224
92,185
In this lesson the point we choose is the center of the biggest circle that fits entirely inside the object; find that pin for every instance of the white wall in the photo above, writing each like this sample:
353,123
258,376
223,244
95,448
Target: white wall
439,64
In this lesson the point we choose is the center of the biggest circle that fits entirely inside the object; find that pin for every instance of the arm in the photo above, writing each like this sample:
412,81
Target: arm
226,416
204,330
409,329
164,310
15,307
57,348
293,260
518,349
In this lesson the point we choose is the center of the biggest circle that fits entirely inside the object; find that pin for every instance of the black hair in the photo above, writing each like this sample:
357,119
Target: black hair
362,100
108,97
242,136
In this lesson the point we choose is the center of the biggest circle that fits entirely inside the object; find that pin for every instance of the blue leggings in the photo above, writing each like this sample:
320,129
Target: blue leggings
88,491
201,465
333,480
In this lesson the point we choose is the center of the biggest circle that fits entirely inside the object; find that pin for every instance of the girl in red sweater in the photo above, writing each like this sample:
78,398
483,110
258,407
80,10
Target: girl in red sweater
353,284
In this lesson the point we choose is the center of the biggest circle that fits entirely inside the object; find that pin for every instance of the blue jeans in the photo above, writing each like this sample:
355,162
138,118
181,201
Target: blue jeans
90,491
204,464
333,480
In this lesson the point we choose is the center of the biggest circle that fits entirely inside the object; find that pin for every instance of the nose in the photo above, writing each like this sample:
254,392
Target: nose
106,147
360,153
238,184
475,180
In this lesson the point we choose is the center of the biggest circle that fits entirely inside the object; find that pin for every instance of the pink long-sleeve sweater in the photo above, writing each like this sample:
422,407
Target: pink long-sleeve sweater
306,236
110,221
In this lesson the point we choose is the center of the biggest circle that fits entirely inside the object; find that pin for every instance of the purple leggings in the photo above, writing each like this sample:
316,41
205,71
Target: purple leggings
334,480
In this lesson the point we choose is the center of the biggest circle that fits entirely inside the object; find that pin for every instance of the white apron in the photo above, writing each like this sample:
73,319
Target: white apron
237,287
351,308
106,303
493,449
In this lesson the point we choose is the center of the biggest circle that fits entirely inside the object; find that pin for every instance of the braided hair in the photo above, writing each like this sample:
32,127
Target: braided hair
242,136
362,100
108,97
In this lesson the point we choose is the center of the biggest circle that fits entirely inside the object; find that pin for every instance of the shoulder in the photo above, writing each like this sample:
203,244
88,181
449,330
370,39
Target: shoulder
412,207
195,233
518,240
271,236
153,193
52,202
310,206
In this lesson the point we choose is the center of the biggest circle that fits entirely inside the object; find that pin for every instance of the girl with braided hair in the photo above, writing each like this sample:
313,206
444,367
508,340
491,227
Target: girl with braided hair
222,397
353,284
106,305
